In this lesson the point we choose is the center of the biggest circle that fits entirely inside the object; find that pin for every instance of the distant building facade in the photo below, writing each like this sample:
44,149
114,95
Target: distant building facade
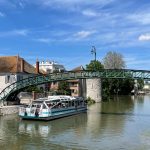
78,86
14,68
51,66
146,86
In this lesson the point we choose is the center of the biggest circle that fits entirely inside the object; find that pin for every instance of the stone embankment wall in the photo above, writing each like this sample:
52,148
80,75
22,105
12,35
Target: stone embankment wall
93,89
6,110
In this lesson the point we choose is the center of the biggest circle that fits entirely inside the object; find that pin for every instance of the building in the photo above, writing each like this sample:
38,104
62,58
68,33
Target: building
14,68
51,66
78,86
146,86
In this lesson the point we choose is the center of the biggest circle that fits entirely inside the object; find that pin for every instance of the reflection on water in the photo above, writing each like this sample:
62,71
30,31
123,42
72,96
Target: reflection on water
122,123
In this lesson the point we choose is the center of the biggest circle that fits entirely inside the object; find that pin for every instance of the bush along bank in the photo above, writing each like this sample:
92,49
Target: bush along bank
90,101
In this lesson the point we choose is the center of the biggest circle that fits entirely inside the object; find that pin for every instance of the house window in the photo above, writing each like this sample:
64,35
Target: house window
72,91
10,79
7,79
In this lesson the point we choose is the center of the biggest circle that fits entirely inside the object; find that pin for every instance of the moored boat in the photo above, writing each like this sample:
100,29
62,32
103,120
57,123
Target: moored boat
53,107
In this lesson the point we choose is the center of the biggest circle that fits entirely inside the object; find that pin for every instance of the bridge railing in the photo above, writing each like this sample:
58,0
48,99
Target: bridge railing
86,74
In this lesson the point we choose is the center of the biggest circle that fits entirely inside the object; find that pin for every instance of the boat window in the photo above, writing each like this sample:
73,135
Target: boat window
72,103
33,106
49,104
38,106
44,106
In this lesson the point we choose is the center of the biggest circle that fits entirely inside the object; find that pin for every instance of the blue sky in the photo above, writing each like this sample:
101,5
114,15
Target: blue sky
66,30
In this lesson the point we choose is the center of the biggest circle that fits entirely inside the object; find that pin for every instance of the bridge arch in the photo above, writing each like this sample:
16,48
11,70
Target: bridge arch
12,90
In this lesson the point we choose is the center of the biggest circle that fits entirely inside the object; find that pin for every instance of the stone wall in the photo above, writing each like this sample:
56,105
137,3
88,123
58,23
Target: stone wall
93,89
6,110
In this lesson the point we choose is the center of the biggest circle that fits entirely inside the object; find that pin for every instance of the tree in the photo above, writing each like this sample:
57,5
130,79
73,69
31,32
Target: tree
140,84
63,88
94,65
113,60
32,88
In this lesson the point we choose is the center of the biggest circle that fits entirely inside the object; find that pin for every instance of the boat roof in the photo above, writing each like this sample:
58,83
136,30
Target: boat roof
57,98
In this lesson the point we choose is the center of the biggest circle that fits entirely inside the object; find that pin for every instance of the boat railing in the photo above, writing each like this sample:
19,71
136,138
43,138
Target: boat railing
22,109
37,112
30,111
54,106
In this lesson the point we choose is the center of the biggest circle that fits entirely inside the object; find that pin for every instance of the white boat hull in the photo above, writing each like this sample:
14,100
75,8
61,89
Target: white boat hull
55,115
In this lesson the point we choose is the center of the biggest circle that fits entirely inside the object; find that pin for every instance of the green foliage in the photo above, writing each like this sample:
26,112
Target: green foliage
117,86
94,65
63,88
90,101
114,60
33,88
126,86
140,84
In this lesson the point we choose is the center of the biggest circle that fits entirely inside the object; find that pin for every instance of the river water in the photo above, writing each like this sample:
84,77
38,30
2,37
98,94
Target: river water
120,124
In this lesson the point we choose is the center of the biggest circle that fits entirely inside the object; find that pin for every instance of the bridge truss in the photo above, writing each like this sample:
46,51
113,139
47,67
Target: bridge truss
13,89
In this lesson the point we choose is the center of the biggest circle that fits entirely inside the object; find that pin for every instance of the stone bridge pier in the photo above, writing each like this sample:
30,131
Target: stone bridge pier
94,89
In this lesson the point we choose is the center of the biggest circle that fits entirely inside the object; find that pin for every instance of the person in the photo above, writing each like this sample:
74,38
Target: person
36,113
25,113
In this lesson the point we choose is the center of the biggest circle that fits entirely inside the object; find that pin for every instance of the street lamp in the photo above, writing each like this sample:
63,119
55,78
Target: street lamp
93,51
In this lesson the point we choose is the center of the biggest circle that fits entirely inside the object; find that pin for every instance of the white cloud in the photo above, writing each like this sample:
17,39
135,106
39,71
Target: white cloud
74,2
17,32
140,17
137,61
7,4
84,34
89,13
43,40
21,4
22,32
69,5
2,14
144,37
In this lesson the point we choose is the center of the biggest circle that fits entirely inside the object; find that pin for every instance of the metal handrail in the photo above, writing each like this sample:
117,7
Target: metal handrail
85,74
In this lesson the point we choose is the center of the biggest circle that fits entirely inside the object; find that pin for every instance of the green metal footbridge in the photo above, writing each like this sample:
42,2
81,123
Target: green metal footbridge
12,90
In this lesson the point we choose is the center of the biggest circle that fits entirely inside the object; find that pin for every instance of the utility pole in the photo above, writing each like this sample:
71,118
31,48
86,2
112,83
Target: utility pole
93,51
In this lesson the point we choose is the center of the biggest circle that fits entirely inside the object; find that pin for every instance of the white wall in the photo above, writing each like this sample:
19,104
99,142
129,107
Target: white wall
5,82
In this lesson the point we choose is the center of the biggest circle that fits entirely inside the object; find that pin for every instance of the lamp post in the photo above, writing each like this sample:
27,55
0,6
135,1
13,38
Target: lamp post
93,51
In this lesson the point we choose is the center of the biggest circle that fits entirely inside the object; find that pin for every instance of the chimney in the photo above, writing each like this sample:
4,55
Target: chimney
37,66
22,65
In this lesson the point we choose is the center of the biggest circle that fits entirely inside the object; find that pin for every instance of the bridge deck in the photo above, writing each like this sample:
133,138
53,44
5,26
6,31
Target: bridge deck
16,87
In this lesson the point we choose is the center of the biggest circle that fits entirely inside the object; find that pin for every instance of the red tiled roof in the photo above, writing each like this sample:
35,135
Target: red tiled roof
12,64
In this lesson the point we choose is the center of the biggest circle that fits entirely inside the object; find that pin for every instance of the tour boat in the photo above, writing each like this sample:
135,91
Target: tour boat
53,107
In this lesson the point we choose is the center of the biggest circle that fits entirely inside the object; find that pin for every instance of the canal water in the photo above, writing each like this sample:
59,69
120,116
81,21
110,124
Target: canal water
120,124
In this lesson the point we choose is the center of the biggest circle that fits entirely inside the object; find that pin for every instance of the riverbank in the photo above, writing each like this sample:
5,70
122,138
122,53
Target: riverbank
7,110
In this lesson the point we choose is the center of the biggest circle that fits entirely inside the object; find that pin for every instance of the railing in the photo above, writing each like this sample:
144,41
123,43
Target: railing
41,79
